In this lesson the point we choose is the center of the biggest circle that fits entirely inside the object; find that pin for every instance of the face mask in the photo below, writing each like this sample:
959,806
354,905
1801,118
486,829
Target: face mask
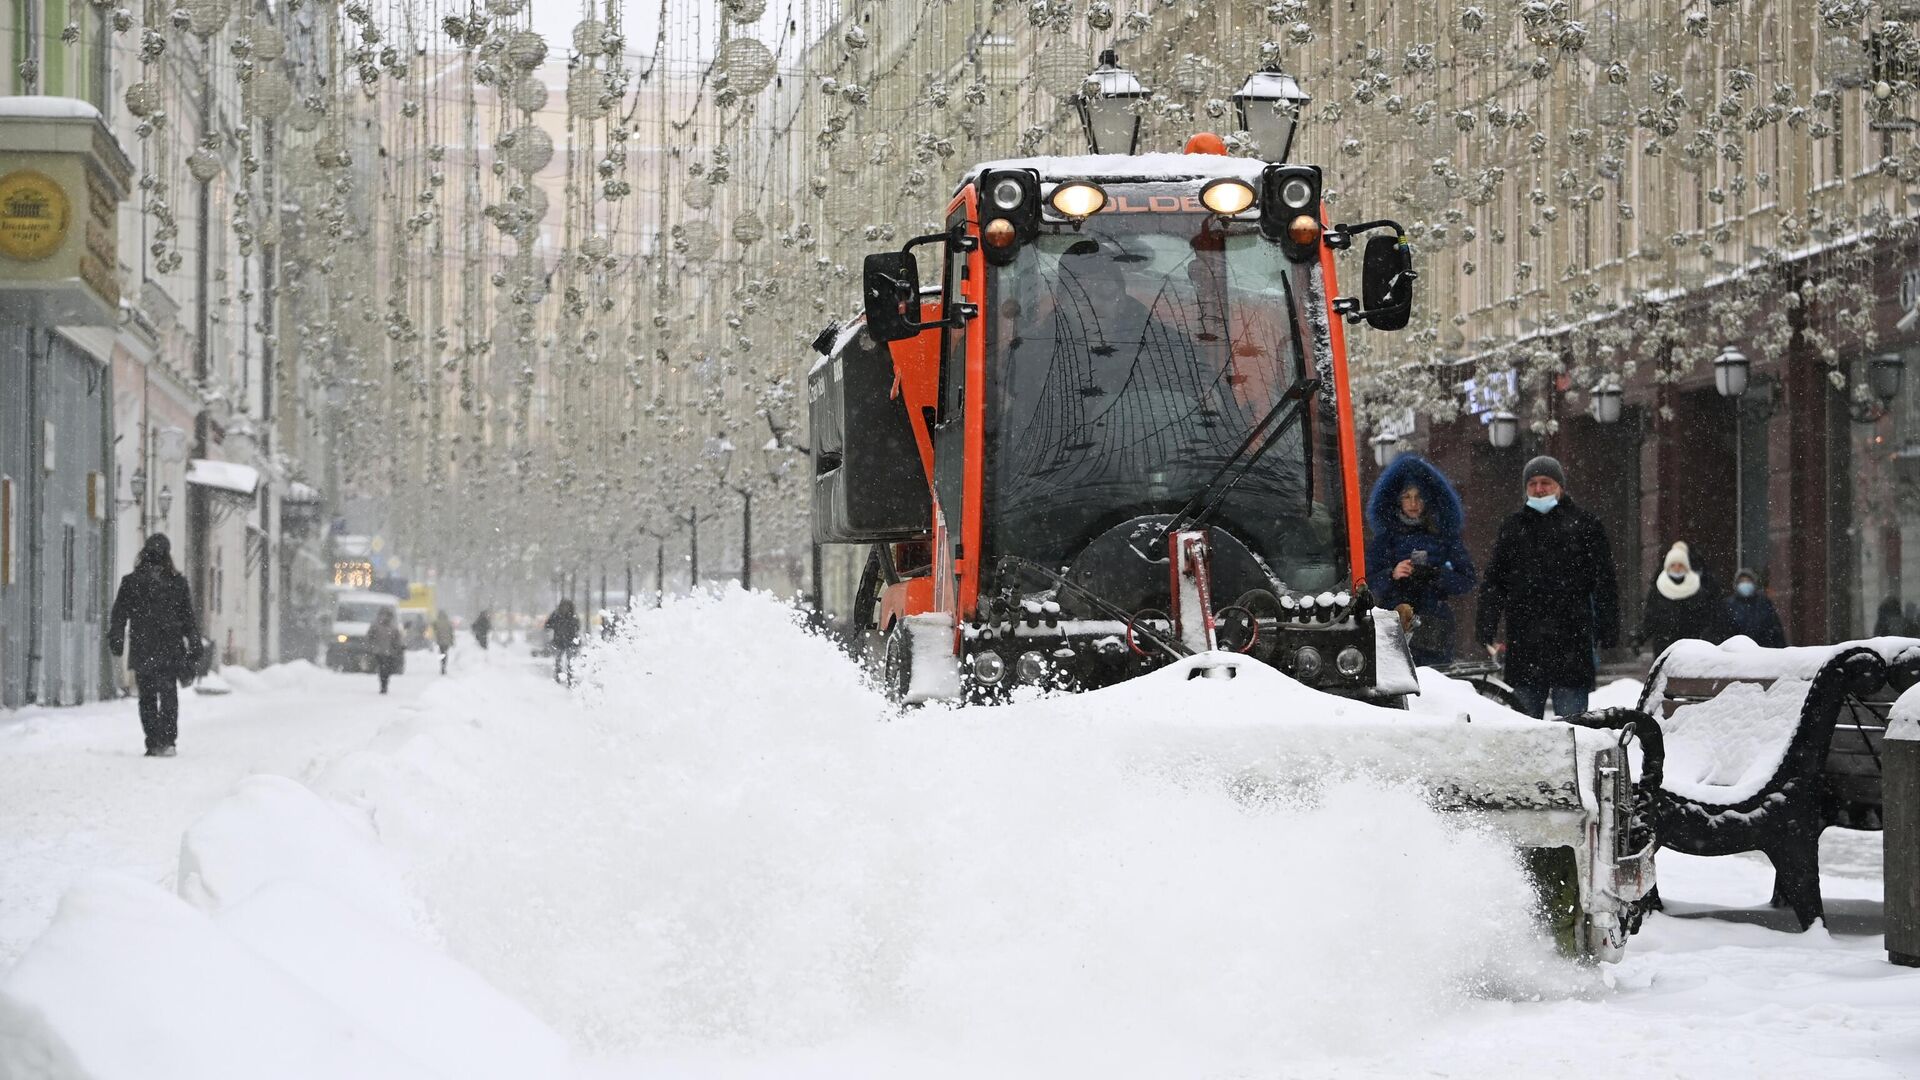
1676,577
1543,503
1746,588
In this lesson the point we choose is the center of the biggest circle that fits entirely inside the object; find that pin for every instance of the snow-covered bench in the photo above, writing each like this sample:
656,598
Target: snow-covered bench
1767,747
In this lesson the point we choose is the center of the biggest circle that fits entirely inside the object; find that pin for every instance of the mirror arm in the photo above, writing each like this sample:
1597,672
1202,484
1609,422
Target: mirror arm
1340,237
1349,306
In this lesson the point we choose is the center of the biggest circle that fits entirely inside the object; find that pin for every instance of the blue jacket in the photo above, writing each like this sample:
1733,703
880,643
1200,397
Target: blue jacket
1448,571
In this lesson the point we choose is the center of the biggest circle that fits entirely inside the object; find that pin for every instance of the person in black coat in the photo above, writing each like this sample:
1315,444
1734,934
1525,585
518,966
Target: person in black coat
1415,557
155,603
1684,601
563,630
482,628
1550,580
1750,613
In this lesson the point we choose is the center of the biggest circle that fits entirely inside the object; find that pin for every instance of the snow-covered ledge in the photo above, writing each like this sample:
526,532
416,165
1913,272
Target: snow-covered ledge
62,178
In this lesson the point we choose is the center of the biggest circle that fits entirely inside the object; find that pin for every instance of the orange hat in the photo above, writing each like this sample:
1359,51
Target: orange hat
1206,142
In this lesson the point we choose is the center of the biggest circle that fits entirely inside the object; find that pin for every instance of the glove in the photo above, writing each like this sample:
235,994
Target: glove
1405,611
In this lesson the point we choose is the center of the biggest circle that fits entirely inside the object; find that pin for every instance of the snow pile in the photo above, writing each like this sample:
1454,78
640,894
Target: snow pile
727,844
296,952
1903,720
1724,750
293,675
1742,658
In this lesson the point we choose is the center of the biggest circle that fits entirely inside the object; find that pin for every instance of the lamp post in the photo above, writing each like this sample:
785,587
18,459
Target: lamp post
1268,107
1730,370
1383,448
1108,107
1884,376
1606,403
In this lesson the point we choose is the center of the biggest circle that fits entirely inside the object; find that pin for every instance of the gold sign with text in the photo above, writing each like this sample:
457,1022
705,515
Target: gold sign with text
34,215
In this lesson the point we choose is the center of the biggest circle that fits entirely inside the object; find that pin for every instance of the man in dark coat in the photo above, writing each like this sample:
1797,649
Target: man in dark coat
1551,580
1750,613
482,628
563,630
154,601
1415,557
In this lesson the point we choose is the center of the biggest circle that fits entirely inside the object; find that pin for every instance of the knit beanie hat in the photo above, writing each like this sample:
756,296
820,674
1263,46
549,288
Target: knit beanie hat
1543,466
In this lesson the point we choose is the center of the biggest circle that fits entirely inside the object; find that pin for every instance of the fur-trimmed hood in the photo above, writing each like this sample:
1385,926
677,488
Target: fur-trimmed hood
1444,511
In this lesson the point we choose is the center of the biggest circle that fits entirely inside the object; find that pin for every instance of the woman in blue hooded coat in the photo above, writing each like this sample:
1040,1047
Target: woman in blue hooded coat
1415,556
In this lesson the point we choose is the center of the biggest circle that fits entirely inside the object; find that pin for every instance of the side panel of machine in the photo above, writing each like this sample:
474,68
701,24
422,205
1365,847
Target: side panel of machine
868,481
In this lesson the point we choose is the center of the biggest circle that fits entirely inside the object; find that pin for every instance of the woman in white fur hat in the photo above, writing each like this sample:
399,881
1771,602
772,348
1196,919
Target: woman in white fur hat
1684,601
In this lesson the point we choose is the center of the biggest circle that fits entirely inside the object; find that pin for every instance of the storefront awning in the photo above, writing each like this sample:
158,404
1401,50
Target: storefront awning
225,476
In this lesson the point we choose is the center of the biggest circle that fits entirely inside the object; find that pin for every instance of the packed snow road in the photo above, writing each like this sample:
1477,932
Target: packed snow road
720,857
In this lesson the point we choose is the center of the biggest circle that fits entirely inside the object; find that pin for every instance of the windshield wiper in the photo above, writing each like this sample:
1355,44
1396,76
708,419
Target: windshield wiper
1207,502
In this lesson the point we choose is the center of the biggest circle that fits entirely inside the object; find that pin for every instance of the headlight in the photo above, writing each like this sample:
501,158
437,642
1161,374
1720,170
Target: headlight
1306,664
989,668
1031,667
1350,662
1296,193
1008,193
1227,196
1076,199
343,639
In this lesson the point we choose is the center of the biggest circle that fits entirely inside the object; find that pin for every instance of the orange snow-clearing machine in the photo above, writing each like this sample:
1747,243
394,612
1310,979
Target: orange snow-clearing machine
1110,430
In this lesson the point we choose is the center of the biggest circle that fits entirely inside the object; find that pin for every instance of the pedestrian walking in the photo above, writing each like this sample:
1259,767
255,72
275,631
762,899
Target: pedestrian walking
1415,560
563,632
388,645
482,628
1683,601
443,637
154,625
1550,580
1750,612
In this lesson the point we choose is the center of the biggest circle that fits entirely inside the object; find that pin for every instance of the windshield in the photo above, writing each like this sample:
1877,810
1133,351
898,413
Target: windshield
1128,360
352,612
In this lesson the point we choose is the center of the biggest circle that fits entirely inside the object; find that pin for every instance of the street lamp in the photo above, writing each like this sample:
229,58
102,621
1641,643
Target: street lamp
1268,106
1502,428
1606,403
1730,371
1884,375
1383,448
165,500
1108,105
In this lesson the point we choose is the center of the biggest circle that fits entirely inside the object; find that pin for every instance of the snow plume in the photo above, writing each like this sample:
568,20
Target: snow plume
726,846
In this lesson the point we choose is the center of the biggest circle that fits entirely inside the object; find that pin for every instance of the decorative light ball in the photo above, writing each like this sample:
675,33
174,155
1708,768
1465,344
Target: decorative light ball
1061,67
204,164
268,93
207,17
587,35
268,42
855,38
596,247
306,116
143,99
329,152
587,93
1192,74
531,149
526,49
702,239
530,95
698,194
747,228
504,7
744,11
748,64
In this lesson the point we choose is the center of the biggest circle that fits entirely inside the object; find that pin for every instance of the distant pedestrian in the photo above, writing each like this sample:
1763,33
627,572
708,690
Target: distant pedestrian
1415,558
1750,613
164,652
1683,602
563,632
1551,580
443,637
387,644
482,628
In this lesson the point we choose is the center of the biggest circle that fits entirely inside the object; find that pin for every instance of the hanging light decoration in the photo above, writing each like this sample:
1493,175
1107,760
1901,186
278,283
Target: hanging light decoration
747,228
1060,67
207,17
587,95
747,63
527,148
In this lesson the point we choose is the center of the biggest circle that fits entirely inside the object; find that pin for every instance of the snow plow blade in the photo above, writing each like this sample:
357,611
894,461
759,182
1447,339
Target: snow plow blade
1539,784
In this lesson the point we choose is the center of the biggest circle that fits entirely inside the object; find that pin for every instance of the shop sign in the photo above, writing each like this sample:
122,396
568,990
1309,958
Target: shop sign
1909,288
1492,393
34,215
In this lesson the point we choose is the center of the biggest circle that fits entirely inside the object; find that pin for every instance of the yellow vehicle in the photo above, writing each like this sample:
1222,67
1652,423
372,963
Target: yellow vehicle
416,614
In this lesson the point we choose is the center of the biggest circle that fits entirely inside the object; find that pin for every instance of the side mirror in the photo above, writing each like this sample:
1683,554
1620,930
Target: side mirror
1386,283
890,283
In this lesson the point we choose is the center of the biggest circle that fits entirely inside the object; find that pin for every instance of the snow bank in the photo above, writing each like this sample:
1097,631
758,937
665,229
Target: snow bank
1903,720
273,829
727,844
293,675
131,982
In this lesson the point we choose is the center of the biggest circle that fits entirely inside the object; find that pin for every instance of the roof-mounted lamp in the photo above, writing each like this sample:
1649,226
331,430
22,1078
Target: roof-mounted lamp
1268,107
1108,105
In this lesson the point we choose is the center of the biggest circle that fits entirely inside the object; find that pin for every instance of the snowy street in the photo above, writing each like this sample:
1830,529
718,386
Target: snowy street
673,873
